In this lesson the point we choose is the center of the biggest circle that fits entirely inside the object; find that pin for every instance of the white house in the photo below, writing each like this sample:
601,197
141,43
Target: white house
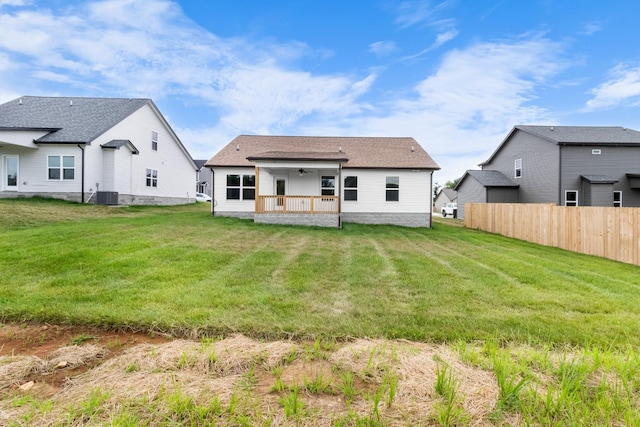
323,181
98,150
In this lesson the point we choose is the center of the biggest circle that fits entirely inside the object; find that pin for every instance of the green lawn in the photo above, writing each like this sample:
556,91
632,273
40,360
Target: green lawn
179,269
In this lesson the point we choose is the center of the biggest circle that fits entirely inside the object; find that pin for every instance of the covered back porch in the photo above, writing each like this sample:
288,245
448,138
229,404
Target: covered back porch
299,188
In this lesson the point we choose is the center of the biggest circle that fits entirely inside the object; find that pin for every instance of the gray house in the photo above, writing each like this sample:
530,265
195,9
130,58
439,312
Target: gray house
203,178
445,195
564,165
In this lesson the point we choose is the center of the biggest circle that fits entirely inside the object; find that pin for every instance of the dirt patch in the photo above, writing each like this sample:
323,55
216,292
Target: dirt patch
91,376
37,349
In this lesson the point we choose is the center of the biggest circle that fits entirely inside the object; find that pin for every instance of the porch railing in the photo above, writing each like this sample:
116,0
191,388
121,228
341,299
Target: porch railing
297,204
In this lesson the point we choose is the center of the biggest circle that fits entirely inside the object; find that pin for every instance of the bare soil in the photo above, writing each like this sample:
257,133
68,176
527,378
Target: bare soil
66,364
42,340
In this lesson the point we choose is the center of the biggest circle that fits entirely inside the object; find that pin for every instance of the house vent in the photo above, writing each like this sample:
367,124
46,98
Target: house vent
596,151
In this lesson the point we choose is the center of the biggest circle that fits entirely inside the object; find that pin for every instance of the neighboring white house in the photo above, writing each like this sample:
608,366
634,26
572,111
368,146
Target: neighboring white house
97,150
324,180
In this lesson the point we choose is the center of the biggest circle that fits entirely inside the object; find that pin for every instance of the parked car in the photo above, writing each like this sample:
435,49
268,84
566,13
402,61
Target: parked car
450,209
201,197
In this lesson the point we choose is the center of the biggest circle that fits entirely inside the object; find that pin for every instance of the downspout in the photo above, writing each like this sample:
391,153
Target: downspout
560,176
213,193
431,200
340,183
82,175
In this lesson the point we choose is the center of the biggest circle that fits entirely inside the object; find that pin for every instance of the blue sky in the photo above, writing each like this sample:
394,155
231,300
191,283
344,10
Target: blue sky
456,75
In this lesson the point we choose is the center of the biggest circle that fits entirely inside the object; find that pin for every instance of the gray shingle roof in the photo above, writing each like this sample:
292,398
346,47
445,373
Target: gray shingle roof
600,179
450,193
361,152
585,135
77,120
489,178
117,143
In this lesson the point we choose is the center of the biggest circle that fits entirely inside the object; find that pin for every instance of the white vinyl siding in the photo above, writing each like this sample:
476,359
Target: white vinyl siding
415,189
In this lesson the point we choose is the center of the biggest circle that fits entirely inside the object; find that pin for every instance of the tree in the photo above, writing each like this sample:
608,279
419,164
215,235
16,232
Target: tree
452,184
436,189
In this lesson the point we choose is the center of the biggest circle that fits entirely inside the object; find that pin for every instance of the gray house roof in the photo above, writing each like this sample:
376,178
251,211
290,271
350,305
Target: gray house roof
357,152
450,193
599,179
585,135
576,135
200,163
117,143
488,178
75,120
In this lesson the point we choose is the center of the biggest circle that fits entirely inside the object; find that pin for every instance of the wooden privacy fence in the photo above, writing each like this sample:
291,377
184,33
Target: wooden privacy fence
602,231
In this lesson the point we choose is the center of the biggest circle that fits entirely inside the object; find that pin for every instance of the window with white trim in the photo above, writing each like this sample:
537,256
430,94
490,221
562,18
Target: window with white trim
154,141
241,185
351,188
152,178
248,187
617,199
518,168
571,198
328,186
393,189
61,168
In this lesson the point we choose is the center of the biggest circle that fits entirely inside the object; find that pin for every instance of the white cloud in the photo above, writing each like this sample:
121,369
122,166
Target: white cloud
442,38
459,113
622,86
462,111
382,48
13,2
411,13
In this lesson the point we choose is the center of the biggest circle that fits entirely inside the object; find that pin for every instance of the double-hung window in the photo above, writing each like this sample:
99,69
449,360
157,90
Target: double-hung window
328,185
152,178
617,199
241,186
393,189
248,187
518,168
571,198
61,167
154,141
351,188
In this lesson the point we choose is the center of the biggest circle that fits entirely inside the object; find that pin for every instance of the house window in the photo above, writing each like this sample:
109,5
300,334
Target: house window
152,178
248,187
328,186
244,186
617,199
518,168
393,188
596,151
351,188
61,167
233,187
571,198
154,141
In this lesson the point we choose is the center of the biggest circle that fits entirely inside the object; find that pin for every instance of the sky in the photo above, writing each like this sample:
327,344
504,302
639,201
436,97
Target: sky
456,75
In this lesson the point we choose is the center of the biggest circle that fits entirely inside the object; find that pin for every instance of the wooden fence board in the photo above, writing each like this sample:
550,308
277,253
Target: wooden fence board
601,231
